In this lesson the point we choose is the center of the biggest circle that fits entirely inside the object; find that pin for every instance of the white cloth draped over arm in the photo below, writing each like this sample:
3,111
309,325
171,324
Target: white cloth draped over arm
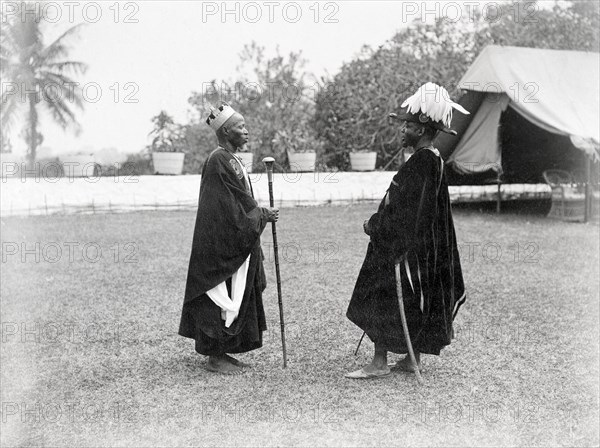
230,306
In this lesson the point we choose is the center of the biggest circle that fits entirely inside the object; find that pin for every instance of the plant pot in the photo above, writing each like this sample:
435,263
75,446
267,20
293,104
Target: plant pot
168,162
363,161
247,159
78,165
302,161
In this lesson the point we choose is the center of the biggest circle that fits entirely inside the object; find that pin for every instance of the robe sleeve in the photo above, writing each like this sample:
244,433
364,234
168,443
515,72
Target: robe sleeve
403,222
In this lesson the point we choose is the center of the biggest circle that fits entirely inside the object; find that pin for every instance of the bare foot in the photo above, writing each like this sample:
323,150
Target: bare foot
220,364
374,369
405,365
236,362
377,368
369,371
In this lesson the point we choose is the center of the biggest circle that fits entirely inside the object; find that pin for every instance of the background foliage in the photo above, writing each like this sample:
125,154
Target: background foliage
274,96
287,109
351,112
39,72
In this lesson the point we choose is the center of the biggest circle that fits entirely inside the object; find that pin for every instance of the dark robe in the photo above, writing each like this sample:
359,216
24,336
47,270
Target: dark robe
416,227
228,228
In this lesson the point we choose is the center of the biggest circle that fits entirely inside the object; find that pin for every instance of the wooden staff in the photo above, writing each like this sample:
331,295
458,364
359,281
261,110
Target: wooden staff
268,161
405,325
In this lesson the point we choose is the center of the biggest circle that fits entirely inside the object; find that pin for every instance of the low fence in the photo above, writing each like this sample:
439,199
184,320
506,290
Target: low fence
39,196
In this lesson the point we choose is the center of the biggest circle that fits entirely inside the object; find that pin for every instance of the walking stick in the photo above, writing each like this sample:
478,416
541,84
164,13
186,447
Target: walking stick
405,326
359,342
268,161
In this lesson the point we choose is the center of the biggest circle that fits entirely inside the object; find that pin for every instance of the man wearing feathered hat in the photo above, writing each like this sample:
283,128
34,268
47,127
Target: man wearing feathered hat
223,309
413,228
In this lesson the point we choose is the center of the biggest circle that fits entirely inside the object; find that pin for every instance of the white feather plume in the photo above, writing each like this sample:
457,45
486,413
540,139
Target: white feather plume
433,101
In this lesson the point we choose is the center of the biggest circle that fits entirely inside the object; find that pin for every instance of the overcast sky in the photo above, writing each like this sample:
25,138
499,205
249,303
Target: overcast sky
147,56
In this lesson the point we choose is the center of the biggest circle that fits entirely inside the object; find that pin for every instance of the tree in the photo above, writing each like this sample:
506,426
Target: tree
36,74
273,94
574,27
351,112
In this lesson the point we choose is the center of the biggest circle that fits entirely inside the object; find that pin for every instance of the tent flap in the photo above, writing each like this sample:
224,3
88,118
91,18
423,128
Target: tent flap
479,149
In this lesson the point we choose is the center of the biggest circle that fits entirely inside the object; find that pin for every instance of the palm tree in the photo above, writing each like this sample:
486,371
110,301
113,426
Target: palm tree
33,73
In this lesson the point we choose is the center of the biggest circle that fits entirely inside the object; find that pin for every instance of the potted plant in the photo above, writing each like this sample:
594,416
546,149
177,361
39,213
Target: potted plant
362,159
167,145
301,148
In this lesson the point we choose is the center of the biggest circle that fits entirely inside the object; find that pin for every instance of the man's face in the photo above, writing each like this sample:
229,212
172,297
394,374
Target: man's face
410,134
237,134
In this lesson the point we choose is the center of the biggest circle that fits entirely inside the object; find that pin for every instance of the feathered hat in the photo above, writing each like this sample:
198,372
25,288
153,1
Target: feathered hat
430,106
219,116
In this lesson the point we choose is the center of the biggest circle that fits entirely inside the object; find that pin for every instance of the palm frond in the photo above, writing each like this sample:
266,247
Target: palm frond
8,111
72,95
72,66
58,48
61,113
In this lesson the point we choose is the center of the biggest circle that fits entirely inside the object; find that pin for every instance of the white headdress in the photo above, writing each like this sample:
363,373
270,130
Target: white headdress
431,104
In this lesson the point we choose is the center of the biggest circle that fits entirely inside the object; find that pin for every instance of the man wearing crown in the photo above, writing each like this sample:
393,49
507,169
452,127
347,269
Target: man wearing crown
413,227
223,310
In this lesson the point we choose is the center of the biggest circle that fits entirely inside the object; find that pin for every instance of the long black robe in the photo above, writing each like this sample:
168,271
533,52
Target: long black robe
416,226
229,223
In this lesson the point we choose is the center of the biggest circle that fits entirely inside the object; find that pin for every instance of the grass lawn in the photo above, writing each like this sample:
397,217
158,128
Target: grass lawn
91,357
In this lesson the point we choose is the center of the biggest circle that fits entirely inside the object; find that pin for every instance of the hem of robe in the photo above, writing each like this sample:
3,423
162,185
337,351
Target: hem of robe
403,350
208,346
191,327
398,346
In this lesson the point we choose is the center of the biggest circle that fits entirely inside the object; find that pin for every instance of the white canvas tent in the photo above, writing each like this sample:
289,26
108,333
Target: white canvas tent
553,92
